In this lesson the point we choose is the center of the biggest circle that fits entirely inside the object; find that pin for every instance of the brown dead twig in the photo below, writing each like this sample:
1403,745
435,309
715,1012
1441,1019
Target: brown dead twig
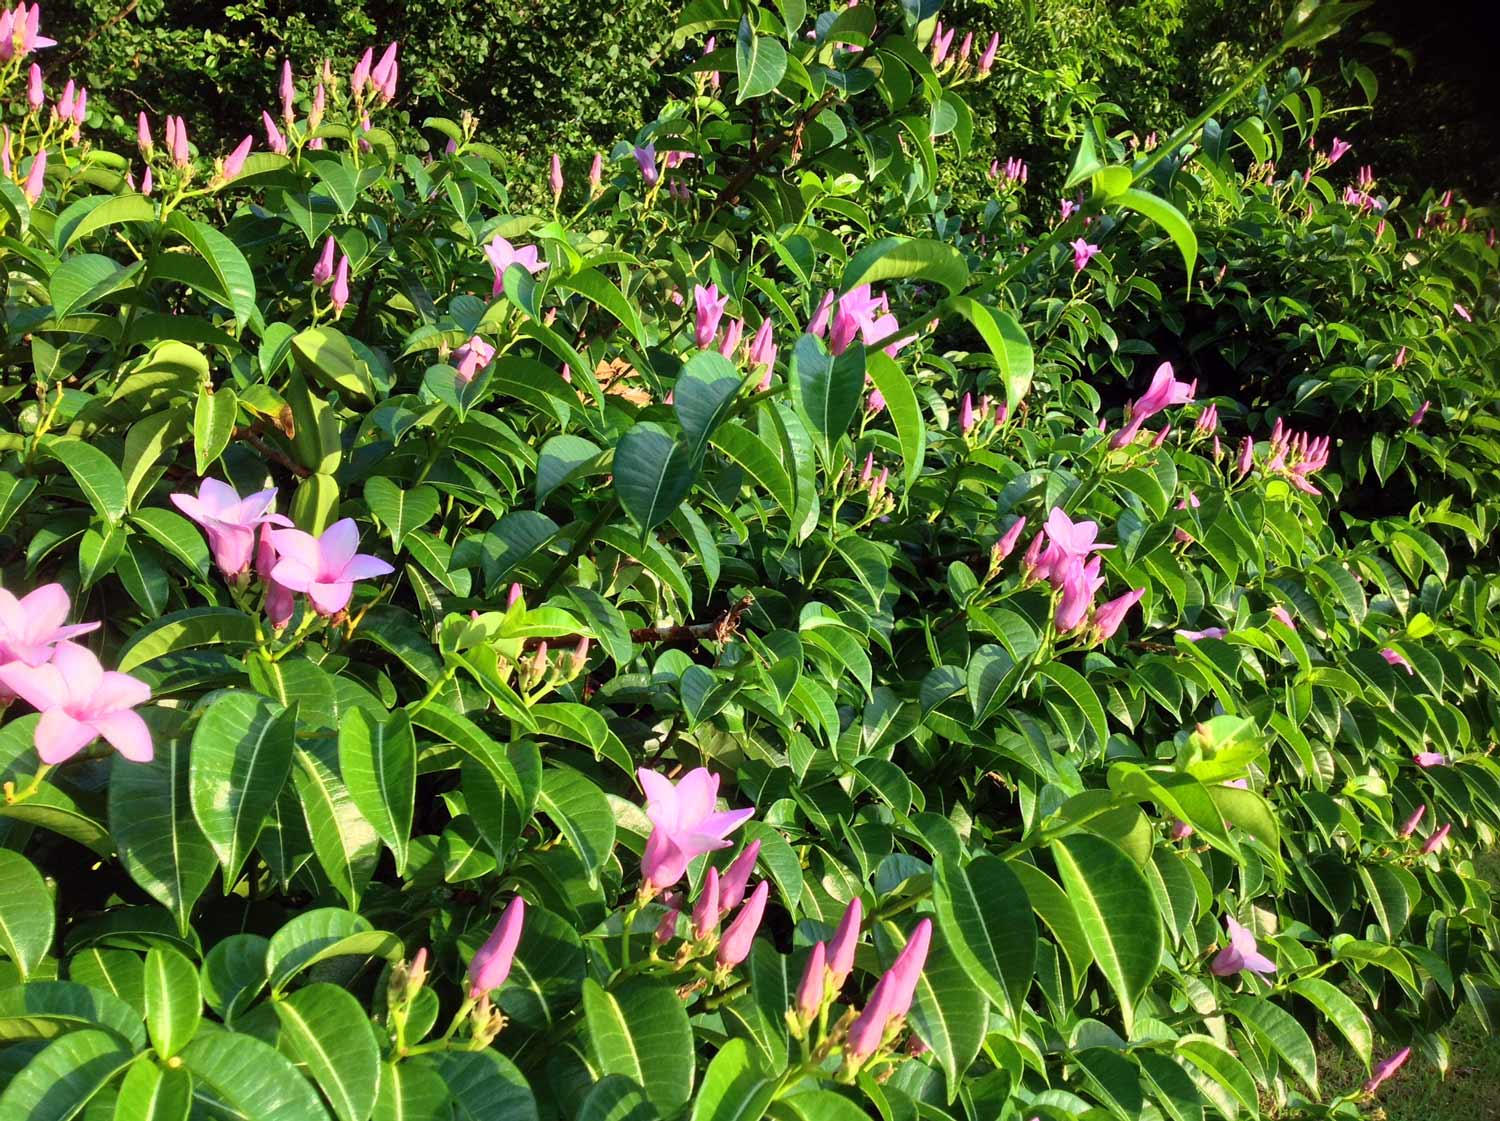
722,628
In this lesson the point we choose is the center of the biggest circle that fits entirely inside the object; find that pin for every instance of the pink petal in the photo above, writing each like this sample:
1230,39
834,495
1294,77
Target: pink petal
59,737
1257,962
252,508
331,597
45,609
291,573
80,671
127,733
723,824
219,499
295,545
117,692
661,798
12,616
697,791
42,687
365,567
336,548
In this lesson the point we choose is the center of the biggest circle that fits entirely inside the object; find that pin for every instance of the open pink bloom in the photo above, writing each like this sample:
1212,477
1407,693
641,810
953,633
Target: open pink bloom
229,521
1463,313
1434,842
1420,415
1163,392
502,254
867,1032
645,158
472,357
325,567
708,310
1083,253
1337,149
734,947
234,163
1067,540
686,823
845,939
1394,658
1410,825
31,626
1109,616
491,964
1079,583
1241,953
1385,1068
814,977
1425,759
906,970
1066,208
735,879
1207,632
18,32
80,701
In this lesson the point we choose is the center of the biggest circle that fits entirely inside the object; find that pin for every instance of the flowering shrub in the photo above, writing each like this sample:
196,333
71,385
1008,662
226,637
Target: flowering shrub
734,644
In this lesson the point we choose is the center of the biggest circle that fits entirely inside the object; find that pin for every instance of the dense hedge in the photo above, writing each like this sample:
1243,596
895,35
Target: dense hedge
753,633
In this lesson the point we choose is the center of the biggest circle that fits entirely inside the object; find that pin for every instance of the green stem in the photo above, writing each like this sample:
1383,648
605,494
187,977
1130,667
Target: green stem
579,547
448,674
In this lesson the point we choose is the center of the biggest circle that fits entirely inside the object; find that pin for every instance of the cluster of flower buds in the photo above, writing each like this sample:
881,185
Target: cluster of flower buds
1208,421
1149,144
1360,200
941,46
375,80
79,700
980,422
872,483
1295,455
244,531
1014,171
719,896
324,272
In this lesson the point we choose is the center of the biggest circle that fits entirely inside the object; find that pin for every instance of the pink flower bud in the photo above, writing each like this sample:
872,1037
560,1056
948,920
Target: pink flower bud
340,293
845,938
581,654
234,163
556,177
966,414
514,597
734,947
323,271
320,103
906,970
288,93
810,989
1385,1068
274,139
868,1031
706,910
36,177
1410,825
143,134
734,881
1435,841
361,72
146,182
36,93
491,965
596,172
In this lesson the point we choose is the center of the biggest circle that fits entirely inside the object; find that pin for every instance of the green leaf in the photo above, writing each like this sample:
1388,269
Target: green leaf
344,842
184,630
985,918
617,1098
486,1085
46,1009
759,62
949,1013
1118,912
594,285
213,425
557,461
84,279
95,473
901,258
321,934
379,765
112,211
400,511
653,473
753,454
1345,1015
1086,161
734,1087
225,260
252,1078
582,812
906,414
242,754
326,1030
152,1093
641,1030
1082,693
1280,1029
409,1092
1006,341
827,389
26,912
703,397
325,353
1172,222
174,1003
61,1078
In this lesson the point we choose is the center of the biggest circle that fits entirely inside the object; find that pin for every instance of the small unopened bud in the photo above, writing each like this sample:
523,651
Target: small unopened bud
417,975
514,598
540,664
581,655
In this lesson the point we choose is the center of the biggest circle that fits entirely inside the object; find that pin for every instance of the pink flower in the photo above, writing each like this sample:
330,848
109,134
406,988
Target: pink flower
274,139
234,163
491,964
280,600
1241,953
762,350
1109,616
472,357
732,884
1207,632
732,335
36,93
1082,254
1181,830
708,310
1079,583
361,72
143,134
383,75
1007,542
987,59
596,172
555,176
818,324
326,567
706,910
80,701
1420,415
906,970
1463,313
867,1032
229,521
645,159
18,32
1410,825
319,104
734,947
339,294
1385,1068
36,178
1400,359
1337,149
810,988
845,939
1425,759
685,823
31,626
1281,614
1434,842
966,414
1163,392
1066,208
502,255
288,92
323,271
941,42
1247,457
1395,659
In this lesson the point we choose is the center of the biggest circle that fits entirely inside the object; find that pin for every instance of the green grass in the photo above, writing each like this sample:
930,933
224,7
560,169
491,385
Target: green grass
1470,1092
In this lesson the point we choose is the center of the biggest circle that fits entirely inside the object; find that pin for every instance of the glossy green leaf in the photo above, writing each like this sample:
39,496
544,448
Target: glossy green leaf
174,1004
326,1030
26,912
985,919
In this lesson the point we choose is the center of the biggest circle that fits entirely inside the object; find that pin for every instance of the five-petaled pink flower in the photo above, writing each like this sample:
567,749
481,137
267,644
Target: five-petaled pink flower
1337,149
1083,253
502,254
491,963
229,521
80,701
1241,953
324,567
30,627
472,357
686,823
708,310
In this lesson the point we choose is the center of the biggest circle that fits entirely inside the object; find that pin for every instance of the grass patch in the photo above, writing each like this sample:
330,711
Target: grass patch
1470,1092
